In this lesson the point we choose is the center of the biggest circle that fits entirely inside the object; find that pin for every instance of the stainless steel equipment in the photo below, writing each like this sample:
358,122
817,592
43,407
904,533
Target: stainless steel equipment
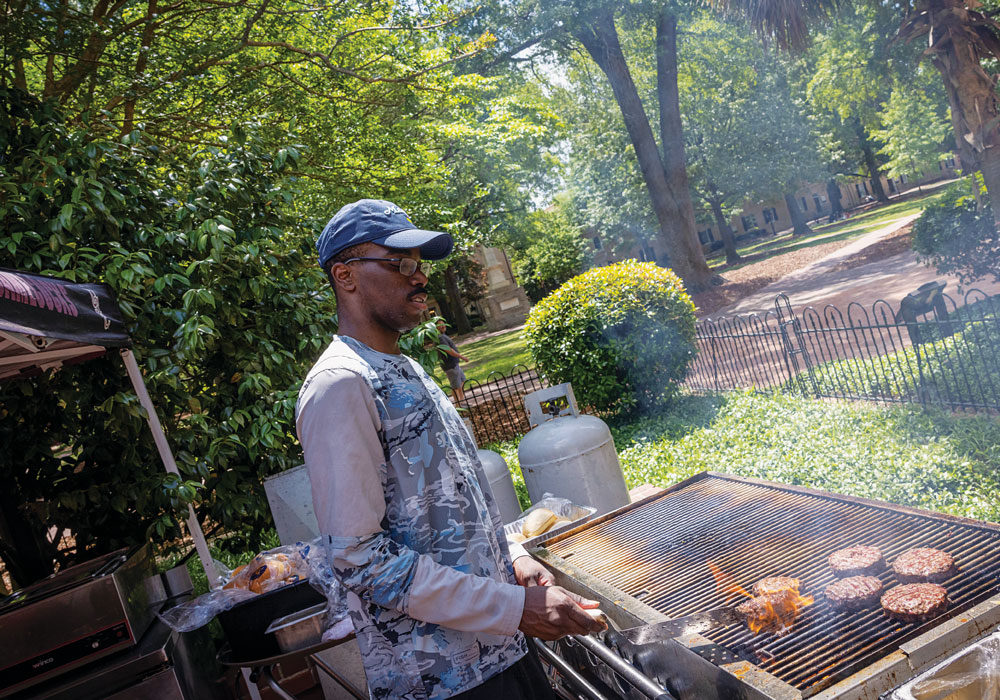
80,614
164,665
971,674
303,628
648,562
695,623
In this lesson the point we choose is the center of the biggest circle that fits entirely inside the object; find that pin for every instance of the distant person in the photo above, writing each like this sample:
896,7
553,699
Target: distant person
449,363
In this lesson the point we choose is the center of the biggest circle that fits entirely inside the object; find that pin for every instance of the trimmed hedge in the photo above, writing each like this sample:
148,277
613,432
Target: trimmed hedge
623,334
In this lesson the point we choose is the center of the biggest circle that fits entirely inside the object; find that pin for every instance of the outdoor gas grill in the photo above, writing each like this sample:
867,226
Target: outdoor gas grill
648,561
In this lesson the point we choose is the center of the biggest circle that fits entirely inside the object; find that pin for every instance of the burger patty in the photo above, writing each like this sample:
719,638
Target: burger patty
854,592
924,565
772,612
860,560
776,584
915,602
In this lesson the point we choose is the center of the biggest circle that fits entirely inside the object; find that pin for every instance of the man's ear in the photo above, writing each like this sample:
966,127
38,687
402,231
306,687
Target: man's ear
343,277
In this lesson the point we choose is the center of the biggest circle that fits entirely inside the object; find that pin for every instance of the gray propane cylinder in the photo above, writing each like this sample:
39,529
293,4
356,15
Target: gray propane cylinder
502,485
570,455
498,476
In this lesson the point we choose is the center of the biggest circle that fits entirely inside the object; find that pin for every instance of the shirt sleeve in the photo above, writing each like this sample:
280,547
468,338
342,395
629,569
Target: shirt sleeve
338,424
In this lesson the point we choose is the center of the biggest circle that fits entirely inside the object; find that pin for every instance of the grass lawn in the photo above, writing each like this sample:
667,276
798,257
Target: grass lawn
857,225
901,454
498,353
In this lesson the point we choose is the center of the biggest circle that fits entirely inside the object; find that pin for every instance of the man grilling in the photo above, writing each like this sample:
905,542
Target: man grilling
439,603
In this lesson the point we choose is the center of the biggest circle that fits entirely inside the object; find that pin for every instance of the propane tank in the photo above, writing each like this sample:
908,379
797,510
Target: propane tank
501,484
569,454
498,476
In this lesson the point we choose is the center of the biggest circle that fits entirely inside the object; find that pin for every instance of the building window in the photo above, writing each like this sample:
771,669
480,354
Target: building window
804,207
819,206
774,214
857,187
705,236
749,221
597,242
903,179
767,216
949,162
892,185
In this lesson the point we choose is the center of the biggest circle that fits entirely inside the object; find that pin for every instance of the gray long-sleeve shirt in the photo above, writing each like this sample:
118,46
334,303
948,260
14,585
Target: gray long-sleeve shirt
414,533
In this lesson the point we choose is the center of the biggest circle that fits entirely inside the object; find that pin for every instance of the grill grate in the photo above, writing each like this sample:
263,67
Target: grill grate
657,551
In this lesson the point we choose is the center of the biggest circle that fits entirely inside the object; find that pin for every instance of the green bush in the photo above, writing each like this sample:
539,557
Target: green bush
958,238
217,281
622,334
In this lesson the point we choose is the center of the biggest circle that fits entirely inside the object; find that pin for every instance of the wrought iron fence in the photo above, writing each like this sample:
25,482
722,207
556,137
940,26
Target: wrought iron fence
495,408
929,350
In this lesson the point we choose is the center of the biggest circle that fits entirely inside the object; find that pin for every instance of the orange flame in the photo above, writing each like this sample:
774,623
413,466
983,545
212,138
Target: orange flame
725,583
774,612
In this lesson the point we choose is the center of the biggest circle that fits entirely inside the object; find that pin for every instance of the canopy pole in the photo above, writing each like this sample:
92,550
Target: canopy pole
194,527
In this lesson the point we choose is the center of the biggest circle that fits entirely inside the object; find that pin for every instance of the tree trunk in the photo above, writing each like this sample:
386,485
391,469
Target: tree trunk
672,130
870,161
445,303
833,194
724,230
148,34
455,301
972,96
799,225
677,231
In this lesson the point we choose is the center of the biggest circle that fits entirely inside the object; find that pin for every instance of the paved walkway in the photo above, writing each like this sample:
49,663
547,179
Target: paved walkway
822,282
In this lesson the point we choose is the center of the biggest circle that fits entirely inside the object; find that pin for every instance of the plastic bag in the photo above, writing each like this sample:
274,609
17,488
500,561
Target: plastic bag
267,571
563,509
337,624
272,569
199,611
975,673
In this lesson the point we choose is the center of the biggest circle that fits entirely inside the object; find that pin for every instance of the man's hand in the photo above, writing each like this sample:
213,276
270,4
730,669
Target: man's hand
551,612
529,572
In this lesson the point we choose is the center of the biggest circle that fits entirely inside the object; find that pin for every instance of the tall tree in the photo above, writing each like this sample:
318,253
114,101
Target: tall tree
749,139
665,175
916,128
960,36
851,76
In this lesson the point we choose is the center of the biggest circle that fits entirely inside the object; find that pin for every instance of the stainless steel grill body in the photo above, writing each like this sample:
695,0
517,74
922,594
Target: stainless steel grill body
649,561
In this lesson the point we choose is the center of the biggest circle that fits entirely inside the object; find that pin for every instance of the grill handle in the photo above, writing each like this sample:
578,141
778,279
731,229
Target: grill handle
577,682
641,682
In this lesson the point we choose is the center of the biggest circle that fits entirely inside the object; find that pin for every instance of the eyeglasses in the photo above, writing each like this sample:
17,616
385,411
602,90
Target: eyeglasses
406,266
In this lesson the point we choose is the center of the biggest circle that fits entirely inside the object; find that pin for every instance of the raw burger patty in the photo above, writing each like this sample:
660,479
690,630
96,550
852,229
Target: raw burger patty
854,592
923,565
860,560
776,584
915,602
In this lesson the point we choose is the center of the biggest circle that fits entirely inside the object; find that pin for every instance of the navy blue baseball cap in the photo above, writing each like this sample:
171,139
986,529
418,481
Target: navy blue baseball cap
381,222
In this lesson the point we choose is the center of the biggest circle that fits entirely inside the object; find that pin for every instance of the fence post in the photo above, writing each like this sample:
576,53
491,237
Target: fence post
786,320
